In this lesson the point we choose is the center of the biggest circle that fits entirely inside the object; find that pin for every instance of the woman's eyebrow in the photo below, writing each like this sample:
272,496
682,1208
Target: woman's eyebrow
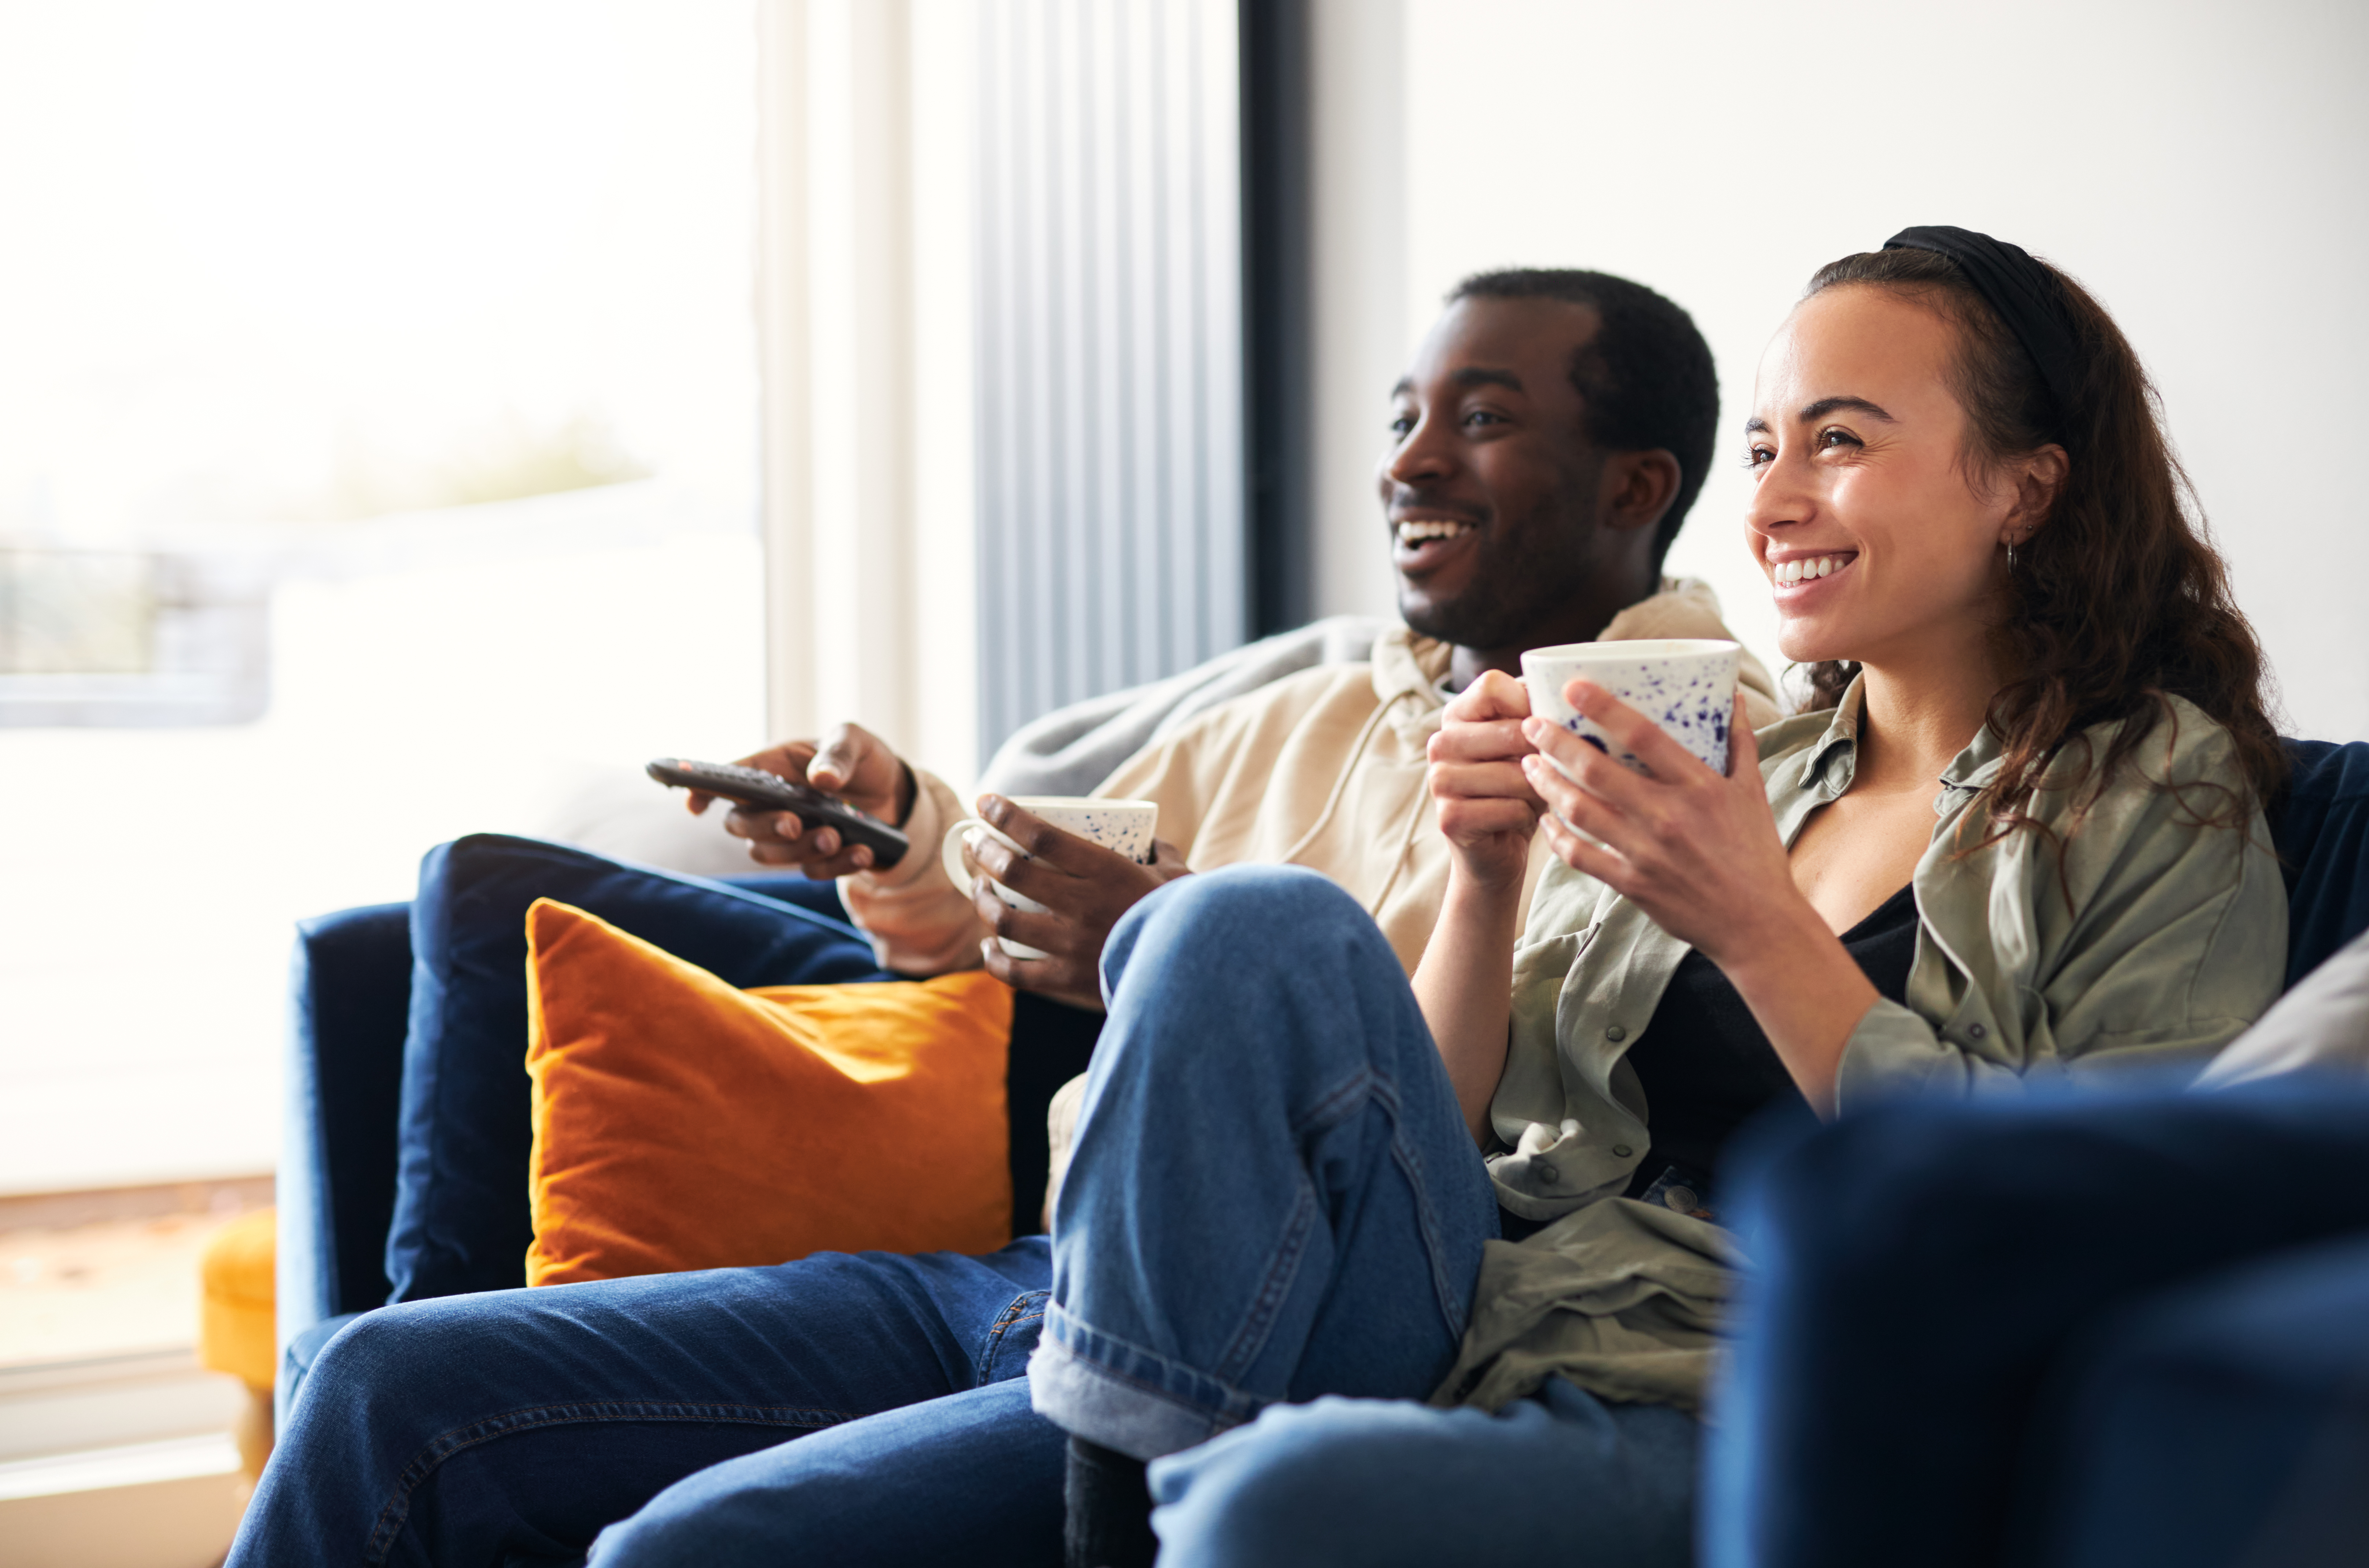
1825,405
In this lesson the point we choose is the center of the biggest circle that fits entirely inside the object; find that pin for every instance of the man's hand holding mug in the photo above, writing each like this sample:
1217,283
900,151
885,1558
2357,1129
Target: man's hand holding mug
1052,881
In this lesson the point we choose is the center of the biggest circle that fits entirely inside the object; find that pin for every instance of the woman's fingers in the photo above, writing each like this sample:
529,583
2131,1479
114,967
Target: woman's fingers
1474,819
1635,734
1579,761
1493,696
1457,781
1585,856
1481,740
1743,746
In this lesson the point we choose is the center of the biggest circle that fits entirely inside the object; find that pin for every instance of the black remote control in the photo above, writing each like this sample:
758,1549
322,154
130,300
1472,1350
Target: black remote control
771,791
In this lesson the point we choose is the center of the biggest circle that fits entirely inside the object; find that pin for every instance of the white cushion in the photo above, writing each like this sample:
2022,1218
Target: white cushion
2323,1023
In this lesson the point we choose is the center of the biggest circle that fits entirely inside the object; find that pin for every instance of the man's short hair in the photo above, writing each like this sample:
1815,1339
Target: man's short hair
1645,379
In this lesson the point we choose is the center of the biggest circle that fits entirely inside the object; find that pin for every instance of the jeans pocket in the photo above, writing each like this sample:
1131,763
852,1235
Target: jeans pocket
1012,1337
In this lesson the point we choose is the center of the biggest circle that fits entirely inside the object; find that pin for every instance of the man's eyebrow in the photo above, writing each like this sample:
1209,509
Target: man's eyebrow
1477,375
1405,386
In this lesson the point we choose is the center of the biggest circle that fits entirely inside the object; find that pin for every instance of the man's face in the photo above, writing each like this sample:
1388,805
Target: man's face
1489,484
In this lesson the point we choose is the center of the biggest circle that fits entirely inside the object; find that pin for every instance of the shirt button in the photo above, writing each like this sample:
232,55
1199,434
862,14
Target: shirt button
1683,1199
1975,1030
1616,1033
1621,1152
1545,1173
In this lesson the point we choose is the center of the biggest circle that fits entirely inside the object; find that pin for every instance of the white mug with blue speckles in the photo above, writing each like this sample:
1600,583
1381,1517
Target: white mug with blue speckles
1685,684
1122,827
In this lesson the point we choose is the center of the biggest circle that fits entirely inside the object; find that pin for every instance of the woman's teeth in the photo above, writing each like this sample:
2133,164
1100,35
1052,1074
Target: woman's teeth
1414,533
1791,572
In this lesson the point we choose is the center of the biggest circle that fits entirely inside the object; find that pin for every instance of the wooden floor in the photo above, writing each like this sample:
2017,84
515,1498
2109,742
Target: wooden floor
116,1449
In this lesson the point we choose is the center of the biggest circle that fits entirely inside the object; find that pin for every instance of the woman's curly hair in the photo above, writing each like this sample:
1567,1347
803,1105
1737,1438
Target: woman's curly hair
2121,601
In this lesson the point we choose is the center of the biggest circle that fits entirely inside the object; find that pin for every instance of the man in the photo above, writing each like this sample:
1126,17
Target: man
1544,448
1551,436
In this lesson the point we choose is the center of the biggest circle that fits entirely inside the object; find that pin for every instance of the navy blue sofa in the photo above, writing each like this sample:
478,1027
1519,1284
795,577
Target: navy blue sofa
356,985
353,985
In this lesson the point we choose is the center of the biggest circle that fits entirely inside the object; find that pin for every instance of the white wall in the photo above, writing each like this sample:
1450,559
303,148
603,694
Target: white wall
2199,166
1358,234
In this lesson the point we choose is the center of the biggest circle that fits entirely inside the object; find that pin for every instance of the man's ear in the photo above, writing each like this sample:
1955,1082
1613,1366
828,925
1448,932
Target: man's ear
1636,488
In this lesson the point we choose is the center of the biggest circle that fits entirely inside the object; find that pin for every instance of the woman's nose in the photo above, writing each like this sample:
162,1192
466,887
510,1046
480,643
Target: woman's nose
1778,497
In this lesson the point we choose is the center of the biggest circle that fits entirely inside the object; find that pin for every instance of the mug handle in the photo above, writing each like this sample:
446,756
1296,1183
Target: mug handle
950,850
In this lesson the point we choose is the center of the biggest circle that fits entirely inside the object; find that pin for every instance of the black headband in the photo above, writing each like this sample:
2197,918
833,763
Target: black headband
2024,293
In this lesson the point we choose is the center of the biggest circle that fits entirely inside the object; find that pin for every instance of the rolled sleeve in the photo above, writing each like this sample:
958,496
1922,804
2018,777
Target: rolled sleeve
920,923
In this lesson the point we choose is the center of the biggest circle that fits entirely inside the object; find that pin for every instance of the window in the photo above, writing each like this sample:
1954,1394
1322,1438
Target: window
377,463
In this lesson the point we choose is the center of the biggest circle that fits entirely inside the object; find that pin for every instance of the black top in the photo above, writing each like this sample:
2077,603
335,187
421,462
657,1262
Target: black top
1708,1067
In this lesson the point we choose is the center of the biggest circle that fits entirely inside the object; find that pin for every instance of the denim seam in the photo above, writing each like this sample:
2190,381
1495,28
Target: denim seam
1410,1162
1362,1087
442,1446
1015,1314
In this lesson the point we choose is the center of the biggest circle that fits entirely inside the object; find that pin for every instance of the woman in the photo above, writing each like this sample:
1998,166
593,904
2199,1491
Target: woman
2021,840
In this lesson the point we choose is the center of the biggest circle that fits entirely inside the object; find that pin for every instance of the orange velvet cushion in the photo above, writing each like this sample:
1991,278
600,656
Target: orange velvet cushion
681,1124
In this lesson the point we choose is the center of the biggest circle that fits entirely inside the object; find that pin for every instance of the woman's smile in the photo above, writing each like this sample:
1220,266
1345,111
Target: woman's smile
1795,573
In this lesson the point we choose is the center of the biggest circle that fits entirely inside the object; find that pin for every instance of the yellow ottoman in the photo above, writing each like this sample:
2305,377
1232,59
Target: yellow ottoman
237,1325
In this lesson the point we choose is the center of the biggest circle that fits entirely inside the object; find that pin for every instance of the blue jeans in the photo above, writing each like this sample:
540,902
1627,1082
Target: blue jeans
1274,1198
658,1414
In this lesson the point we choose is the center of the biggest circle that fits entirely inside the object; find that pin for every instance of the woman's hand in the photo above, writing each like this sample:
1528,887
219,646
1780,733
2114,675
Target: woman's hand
1698,852
1700,855
1488,809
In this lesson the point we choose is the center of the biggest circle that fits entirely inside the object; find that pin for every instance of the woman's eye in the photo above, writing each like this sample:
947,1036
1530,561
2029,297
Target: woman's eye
1834,438
1758,457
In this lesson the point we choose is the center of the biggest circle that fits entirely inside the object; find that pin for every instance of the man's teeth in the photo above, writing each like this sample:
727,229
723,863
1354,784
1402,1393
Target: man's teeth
1414,533
1791,572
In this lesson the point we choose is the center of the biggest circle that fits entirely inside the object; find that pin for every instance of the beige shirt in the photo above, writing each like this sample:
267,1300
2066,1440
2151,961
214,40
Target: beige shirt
1323,769
2160,941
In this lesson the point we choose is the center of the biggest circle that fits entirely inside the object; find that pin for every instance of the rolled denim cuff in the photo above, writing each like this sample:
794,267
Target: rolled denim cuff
1125,1397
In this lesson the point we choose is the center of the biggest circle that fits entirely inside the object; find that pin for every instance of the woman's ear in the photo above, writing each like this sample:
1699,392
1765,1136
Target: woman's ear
2039,480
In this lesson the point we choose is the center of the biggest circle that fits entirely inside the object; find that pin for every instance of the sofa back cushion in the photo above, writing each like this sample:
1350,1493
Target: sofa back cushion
2321,832
683,1124
460,1221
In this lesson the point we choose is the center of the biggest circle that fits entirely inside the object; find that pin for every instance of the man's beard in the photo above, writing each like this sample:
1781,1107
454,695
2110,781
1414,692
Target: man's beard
1514,592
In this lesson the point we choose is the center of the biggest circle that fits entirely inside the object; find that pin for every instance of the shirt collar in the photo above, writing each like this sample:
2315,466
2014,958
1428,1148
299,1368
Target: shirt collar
1828,764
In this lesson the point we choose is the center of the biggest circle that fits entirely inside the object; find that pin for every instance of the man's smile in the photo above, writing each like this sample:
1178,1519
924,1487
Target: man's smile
1420,541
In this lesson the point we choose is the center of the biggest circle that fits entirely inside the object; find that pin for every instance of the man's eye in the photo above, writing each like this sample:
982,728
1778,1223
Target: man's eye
1481,417
1402,425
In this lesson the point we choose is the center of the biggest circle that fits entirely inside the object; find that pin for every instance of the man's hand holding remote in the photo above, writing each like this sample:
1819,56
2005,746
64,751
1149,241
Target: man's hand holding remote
850,763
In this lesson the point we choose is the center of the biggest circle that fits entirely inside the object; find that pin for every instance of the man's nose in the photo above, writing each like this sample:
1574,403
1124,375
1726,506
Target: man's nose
1425,457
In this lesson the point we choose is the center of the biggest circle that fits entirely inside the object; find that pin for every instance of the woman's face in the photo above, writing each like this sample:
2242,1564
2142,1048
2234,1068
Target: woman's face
1876,543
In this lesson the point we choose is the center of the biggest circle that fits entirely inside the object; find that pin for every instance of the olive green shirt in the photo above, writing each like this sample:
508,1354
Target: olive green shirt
2160,941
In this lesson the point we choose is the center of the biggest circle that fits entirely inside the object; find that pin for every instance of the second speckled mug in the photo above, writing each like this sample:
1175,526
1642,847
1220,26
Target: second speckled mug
1122,827
1685,684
